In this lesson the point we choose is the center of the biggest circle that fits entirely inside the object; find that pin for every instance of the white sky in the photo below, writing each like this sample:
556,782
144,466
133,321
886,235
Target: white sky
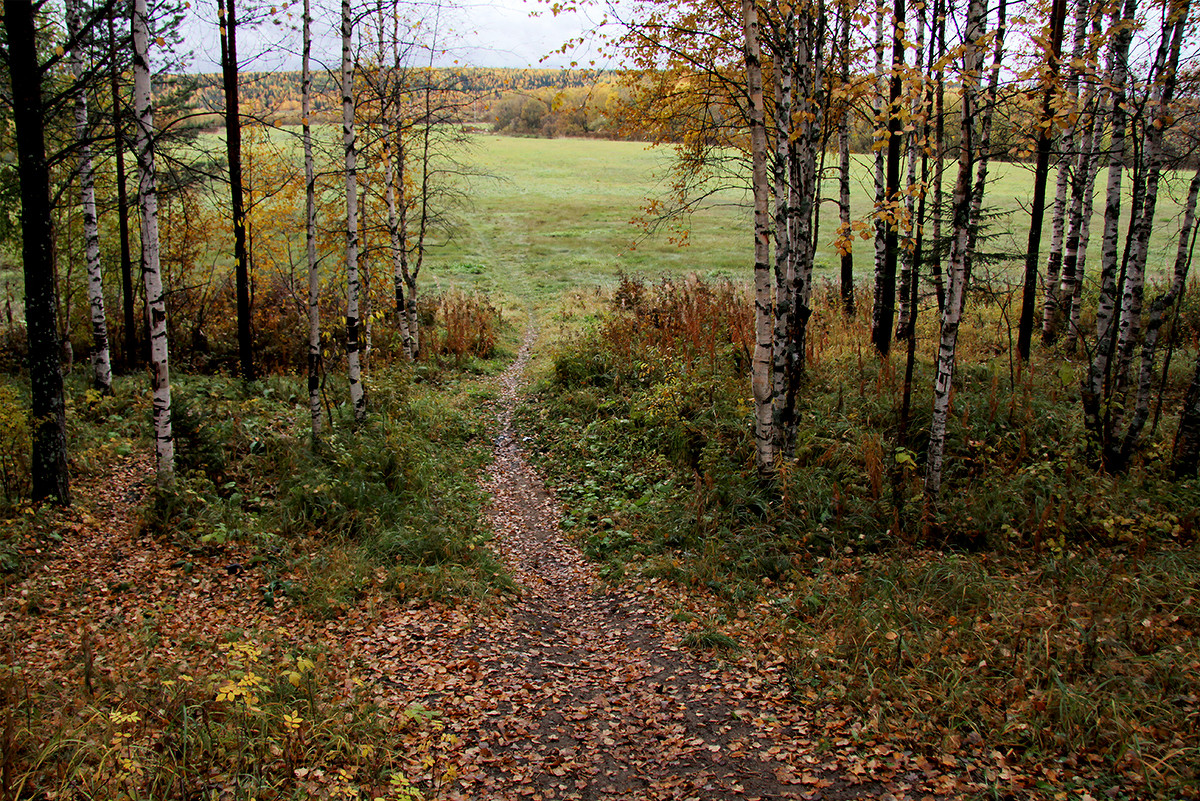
488,34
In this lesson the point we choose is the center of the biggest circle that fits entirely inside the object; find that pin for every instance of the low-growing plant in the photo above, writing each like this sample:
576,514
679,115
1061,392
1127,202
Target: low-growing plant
263,717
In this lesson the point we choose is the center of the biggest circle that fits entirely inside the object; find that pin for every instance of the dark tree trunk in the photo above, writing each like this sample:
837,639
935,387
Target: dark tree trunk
48,412
128,298
1058,15
233,145
887,295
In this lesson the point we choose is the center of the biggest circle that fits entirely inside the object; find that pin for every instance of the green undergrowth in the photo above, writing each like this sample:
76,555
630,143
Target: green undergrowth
1042,606
397,492
266,715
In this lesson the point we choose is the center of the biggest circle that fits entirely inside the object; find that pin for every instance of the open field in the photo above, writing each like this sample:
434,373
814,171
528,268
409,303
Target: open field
556,216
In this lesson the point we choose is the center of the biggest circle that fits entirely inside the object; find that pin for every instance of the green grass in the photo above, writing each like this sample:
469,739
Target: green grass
556,217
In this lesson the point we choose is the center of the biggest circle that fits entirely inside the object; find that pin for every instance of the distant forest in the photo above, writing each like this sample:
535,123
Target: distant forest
539,102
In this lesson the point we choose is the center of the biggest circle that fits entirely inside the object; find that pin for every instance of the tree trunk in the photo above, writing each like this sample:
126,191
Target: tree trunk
132,353
160,378
48,408
101,362
394,155
940,13
1092,391
1158,309
357,396
983,148
782,61
908,252
808,65
1067,167
227,15
1058,14
845,233
761,366
891,253
883,306
310,232
952,315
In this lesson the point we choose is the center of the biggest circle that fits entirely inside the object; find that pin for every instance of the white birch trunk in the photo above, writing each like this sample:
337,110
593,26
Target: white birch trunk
782,61
957,267
1129,326
310,232
1055,295
1158,309
908,251
101,360
353,287
160,378
764,438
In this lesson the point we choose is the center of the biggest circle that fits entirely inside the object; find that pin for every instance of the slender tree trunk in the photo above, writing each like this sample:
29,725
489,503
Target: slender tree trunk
1187,438
1058,14
908,252
808,66
845,232
132,354
1158,310
983,148
353,287
48,407
1092,391
886,315
952,315
763,340
227,14
785,234
882,310
1082,203
101,362
1067,169
1130,321
310,232
160,378
940,13
394,155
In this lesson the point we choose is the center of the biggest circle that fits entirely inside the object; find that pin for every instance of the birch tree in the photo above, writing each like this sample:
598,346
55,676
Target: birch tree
310,228
101,361
1058,13
160,382
353,286
957,266
763,329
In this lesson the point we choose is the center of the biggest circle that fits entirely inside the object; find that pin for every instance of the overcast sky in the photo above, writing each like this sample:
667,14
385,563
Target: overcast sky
495,34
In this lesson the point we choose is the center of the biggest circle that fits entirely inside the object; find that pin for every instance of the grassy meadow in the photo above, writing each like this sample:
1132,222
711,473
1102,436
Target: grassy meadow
555,216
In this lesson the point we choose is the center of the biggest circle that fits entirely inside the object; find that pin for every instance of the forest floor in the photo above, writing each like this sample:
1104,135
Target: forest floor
572,689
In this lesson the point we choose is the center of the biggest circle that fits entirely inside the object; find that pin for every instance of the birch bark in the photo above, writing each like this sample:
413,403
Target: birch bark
310,231
764,438
160,377
101,361
957,267
358,397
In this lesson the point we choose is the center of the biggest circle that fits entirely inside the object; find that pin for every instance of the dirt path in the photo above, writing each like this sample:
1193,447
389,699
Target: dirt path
579,692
